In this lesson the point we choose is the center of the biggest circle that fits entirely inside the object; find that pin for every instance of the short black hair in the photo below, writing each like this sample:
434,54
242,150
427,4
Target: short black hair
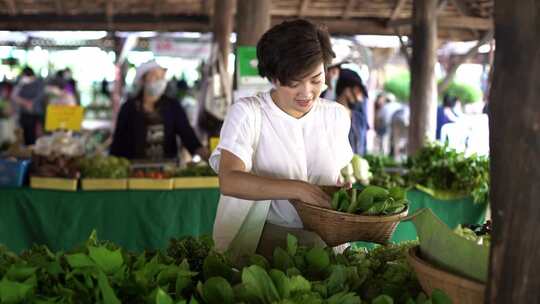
292,49
449,100
27,71
349,79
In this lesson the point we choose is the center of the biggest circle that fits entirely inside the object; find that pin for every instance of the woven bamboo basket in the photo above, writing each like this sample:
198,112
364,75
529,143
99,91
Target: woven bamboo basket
336,228
459,289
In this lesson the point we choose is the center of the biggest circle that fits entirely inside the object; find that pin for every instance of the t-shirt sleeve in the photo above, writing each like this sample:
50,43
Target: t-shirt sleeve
236,136
343,147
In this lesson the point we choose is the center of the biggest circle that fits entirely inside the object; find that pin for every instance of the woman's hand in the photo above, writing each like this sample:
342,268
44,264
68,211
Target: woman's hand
312,194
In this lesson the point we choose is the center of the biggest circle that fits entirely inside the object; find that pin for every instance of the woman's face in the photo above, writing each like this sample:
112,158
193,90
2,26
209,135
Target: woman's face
298,97
154,74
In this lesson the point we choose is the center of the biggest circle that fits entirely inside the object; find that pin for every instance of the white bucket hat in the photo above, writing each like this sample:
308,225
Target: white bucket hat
145,68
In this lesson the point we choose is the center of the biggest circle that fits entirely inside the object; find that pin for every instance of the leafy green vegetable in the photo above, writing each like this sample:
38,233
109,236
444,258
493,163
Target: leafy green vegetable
217,290
373,200
104,167
102,272
438,167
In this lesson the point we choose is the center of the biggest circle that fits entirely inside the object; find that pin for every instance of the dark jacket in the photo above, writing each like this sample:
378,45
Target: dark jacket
129,139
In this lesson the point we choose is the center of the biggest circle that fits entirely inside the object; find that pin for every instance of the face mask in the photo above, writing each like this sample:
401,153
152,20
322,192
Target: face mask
156,88
25,80
333,82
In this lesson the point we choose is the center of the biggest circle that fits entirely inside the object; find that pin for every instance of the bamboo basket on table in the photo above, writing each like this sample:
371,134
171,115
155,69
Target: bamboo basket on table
336,228
461,290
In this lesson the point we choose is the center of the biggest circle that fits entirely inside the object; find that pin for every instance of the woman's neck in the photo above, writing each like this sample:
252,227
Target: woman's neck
282,107
149,103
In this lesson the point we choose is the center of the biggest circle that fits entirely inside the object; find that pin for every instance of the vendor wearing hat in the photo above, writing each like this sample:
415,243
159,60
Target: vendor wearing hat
148,123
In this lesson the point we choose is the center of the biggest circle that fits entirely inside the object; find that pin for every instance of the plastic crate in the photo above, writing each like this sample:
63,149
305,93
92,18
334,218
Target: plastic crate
13,172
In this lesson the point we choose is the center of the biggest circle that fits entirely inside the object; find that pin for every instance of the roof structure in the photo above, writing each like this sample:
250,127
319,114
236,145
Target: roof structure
458,19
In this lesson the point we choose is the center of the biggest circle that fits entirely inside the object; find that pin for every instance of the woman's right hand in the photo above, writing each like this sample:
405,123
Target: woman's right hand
311,194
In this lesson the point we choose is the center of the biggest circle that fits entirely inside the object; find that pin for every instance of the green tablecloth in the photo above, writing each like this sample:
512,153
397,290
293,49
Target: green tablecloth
139,220
136,220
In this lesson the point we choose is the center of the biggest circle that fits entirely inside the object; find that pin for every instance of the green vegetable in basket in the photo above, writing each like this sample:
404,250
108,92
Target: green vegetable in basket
372,200
369,195
354,202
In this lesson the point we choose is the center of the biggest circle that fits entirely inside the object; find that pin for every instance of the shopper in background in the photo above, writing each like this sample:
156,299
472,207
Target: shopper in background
448,112
148,123
385,107
29,98
352,93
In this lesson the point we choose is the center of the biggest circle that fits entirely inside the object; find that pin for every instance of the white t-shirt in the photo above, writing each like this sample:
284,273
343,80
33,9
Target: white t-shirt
312,148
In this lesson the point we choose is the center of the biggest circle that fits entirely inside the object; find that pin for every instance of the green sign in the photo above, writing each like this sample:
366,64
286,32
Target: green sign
247,61
248,74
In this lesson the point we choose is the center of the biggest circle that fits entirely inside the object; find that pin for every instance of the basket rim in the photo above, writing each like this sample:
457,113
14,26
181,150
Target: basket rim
350,217
463,282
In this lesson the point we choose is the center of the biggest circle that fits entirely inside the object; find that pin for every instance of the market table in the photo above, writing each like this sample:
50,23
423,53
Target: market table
139,220
136,220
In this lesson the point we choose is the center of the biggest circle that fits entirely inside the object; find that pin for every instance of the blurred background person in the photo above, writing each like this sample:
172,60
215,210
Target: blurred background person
385,107
352,93
448,112
148,123
29,99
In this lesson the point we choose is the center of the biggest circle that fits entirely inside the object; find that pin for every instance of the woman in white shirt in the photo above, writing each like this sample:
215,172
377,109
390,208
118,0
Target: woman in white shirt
282,144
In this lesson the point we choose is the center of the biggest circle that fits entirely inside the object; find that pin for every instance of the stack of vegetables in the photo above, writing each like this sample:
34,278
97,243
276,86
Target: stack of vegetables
481,234
104,167
190,271
436,168
372,200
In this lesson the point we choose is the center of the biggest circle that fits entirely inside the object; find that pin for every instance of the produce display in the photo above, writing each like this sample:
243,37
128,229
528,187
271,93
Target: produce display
190,271
57,155
195,170
481,234
155,173
167,171
104,167
372,200
381,176
436,167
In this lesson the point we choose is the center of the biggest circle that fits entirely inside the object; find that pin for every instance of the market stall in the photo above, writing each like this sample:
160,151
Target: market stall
136,220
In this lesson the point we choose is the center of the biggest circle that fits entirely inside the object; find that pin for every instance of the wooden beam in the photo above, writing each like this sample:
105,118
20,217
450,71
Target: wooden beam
348,9
423,97
514,139
123,22
59,7
443,85
11,6
223,23
109,12
303,8
158,7
397,9
252,20
441,6
207,7
462,7
403,47
452,22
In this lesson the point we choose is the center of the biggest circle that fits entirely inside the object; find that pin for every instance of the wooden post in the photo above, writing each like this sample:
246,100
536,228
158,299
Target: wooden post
514,154
120,71
423,99
223,26
252,20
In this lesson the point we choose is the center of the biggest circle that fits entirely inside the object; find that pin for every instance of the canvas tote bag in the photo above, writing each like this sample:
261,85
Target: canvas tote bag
239,223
